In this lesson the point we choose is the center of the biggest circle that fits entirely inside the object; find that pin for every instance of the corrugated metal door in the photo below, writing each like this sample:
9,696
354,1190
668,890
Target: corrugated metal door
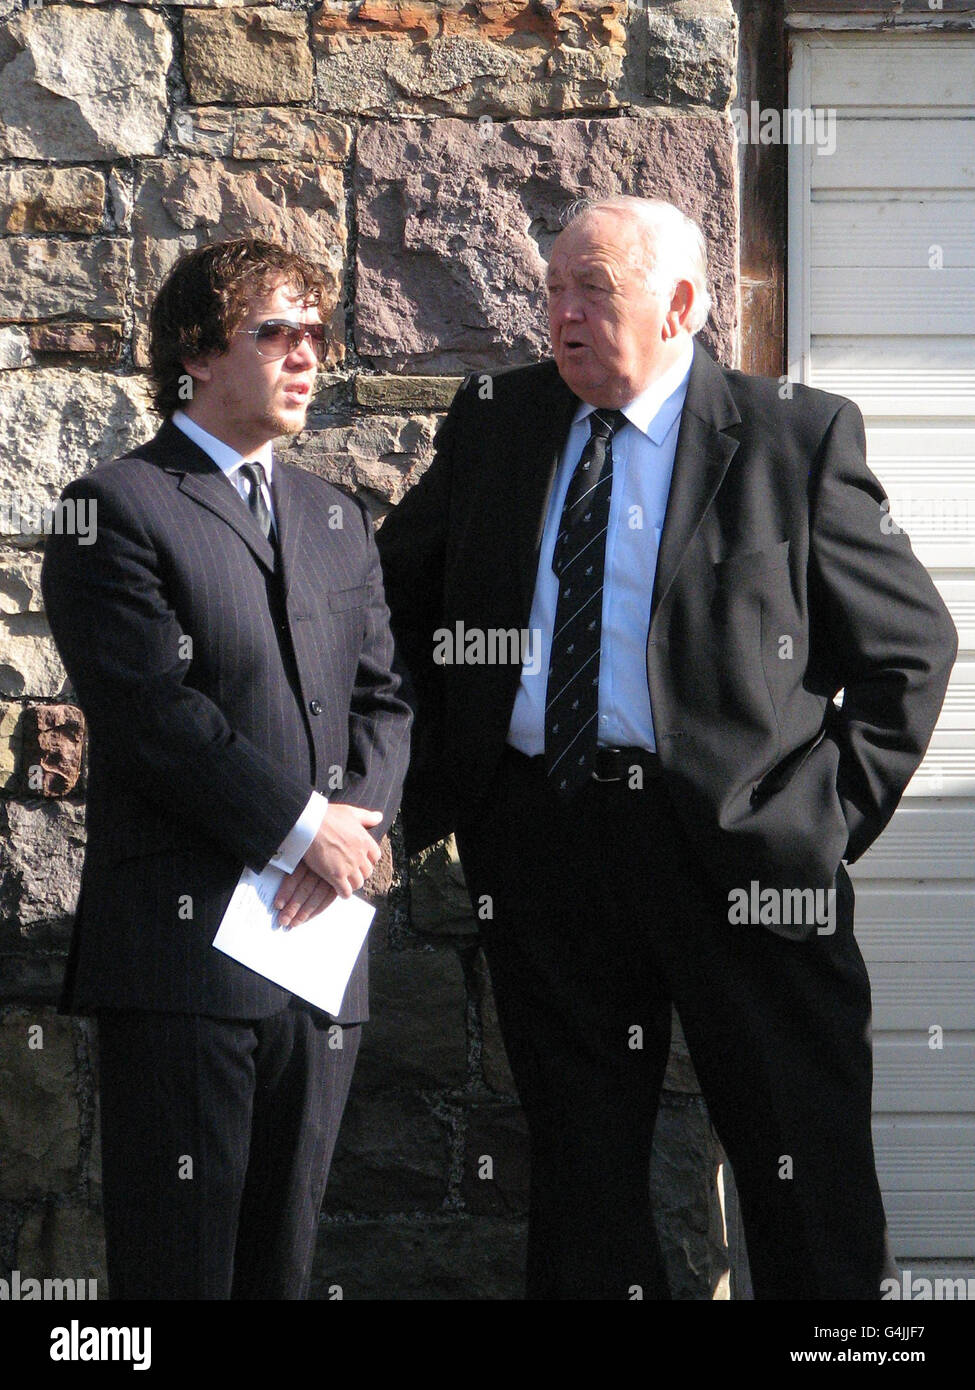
882,309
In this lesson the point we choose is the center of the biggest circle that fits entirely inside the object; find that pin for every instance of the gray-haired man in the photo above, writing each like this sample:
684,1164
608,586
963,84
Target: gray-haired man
667,530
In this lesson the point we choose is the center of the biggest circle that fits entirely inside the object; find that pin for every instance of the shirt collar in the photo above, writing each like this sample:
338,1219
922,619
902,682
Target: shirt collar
658,405
227,459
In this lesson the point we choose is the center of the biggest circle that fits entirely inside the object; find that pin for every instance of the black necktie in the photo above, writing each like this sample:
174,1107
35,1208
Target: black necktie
572,696
254,473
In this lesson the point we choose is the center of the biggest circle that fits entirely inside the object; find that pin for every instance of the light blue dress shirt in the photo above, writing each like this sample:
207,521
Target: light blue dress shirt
228,460
643,463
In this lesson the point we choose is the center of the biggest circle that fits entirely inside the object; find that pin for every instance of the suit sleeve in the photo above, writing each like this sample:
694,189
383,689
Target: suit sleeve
120,642
379,721
413,545
883,629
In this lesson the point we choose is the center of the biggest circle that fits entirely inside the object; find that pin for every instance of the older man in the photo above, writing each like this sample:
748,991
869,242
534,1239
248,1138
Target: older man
656,810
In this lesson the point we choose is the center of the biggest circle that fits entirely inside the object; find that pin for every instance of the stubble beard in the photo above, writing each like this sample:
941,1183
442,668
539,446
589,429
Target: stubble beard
279,423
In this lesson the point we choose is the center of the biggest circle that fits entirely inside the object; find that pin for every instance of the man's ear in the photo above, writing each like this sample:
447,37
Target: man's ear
198,368
681,303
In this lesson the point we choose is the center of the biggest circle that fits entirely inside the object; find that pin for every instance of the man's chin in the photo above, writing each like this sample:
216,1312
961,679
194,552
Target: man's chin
590,387
574,375
284,422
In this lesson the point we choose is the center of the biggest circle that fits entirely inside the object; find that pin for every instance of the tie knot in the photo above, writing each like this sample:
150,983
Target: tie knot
254,473
603,424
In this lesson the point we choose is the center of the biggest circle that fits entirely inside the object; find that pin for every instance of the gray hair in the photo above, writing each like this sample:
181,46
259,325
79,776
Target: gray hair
674,247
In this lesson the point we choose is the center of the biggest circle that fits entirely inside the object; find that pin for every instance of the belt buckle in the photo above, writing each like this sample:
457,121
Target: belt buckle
595,775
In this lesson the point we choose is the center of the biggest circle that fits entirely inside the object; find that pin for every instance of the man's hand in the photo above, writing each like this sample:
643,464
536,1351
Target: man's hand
343,852
338,861
300,895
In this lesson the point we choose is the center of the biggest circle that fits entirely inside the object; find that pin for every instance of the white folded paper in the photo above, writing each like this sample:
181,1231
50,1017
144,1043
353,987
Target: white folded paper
313,960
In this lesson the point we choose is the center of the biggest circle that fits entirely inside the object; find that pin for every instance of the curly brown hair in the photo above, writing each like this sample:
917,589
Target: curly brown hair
204,299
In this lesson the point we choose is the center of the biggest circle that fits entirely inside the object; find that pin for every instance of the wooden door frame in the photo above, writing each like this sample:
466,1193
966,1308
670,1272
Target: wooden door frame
762,190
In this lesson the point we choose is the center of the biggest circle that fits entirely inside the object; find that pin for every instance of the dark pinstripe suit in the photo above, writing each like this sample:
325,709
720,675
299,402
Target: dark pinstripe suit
223,678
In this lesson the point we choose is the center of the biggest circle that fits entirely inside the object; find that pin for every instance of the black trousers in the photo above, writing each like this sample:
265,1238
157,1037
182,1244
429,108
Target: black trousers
217,1137
601,917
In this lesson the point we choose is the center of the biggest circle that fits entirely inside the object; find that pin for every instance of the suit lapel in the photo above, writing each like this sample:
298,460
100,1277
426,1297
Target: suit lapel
201,479
287,515
541,439
702,458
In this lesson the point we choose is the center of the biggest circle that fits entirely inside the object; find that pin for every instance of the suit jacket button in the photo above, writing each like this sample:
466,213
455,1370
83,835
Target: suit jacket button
315,706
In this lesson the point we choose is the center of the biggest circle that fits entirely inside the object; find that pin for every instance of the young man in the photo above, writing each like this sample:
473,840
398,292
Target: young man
227,638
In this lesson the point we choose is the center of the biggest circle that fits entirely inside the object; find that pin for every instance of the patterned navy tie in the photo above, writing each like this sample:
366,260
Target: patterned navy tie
572,697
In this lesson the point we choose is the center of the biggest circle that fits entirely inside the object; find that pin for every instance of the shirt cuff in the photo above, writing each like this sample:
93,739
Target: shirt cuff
304,830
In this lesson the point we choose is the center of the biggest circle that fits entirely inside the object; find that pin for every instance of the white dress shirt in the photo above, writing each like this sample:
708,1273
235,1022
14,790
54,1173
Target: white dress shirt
643,463
228,460
305,828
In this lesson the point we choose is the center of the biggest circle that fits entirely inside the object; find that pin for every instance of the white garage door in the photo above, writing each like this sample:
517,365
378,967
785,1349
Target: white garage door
882,309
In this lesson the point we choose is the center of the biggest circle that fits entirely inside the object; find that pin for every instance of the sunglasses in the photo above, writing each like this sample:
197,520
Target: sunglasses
277,337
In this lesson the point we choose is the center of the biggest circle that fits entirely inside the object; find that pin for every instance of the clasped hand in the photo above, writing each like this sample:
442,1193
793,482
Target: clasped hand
337,862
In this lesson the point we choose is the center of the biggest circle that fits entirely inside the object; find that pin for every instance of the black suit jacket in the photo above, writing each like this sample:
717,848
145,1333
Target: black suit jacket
774,530
222,679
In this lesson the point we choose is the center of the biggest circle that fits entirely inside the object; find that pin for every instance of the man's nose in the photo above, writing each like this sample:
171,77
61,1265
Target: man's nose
306,349
569,308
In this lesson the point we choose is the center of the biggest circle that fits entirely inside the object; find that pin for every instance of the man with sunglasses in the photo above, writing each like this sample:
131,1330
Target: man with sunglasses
227,637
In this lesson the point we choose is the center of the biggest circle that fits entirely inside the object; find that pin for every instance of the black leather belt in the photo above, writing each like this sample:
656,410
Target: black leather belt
612,764
616,764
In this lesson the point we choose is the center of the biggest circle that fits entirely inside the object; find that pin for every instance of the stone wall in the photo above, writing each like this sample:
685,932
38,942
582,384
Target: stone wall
423,153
